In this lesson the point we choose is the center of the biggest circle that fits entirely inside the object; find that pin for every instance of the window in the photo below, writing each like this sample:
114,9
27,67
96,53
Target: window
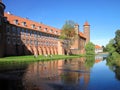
5,19
16,22
8,29
18,41
13,30
39,27
24,23
30,33
51,30
18,31
14,41
23,31
27,33
33,26
8,40
35,34
45,29
55,32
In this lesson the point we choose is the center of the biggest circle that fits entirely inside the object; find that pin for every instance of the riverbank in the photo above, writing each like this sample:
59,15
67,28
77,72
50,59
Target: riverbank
32,58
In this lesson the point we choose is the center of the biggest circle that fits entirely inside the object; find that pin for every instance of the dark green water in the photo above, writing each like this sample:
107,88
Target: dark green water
91,73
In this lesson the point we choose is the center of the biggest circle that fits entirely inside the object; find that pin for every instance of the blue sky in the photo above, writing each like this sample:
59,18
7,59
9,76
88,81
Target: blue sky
102,15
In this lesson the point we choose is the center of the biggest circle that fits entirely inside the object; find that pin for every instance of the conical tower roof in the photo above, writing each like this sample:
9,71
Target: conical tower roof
86,24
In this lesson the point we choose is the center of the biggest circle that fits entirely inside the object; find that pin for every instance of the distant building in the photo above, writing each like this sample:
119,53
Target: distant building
98,58
21,36
98,49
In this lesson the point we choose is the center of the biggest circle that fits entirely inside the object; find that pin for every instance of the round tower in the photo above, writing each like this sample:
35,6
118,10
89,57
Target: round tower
2,28
86,30
2,7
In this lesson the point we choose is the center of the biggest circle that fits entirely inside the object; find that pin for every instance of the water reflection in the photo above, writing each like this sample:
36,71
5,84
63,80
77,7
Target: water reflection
70,74
60,74
11,75
114,65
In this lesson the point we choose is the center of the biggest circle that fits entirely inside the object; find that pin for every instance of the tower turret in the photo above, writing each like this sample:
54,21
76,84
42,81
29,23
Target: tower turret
75,46
76,28
87,31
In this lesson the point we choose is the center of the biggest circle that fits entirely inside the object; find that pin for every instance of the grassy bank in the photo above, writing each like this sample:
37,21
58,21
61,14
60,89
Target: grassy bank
31,58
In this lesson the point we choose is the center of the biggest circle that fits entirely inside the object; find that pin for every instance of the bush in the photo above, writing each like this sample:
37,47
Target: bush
90,48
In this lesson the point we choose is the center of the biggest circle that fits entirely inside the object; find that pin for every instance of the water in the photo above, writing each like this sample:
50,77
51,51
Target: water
91,73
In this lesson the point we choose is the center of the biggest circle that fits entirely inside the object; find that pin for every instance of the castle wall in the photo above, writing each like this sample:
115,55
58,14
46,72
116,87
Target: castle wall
20,36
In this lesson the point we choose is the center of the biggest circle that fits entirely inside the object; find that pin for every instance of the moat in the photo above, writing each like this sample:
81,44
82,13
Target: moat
91,73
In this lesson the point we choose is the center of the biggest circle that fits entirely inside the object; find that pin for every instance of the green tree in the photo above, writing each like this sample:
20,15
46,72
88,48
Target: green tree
68,35
104,48
90,60
110,46
113,47
90,48
117,41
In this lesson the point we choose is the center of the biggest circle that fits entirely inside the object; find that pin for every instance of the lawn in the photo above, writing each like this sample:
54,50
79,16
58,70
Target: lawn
31,58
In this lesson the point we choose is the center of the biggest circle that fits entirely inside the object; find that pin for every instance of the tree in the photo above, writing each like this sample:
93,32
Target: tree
104,48
90,48
117,41
110,46
68,35
113,47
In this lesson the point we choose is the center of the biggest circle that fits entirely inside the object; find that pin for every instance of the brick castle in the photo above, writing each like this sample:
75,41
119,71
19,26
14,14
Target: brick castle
21,36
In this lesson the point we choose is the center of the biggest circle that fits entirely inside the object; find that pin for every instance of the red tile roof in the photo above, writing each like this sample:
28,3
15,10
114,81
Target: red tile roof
82,35
86,24
97,46
11,18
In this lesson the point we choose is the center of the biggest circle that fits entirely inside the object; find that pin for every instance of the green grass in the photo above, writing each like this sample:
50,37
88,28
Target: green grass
31,58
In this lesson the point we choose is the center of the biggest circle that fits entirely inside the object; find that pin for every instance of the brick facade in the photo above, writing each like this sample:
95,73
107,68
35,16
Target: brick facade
21,36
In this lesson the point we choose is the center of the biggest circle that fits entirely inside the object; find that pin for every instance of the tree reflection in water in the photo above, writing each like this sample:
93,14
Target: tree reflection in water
114,65
69,74
90,60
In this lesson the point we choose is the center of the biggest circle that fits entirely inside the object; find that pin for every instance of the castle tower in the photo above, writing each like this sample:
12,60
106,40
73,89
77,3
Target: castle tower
76,28
2,39
86,30
76,42
2,7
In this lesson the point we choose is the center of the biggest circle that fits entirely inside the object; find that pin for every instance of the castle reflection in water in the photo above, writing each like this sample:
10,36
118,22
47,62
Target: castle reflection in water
47,75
